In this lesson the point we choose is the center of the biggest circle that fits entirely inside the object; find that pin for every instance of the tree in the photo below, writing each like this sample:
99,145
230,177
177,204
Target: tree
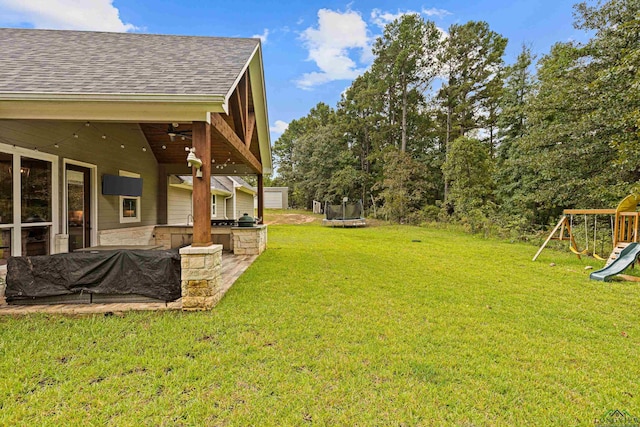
613,56
401,189
516,95
296,148
471,59
563,160
406,64
469,171
513,124
361,114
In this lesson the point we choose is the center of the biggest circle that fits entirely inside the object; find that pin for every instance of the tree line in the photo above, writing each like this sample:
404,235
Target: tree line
441,128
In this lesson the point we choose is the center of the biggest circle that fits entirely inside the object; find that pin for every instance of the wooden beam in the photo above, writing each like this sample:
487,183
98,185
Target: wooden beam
221,127
629,278
589,212
261,198
239,106
202,186
243,90
251,127
235,105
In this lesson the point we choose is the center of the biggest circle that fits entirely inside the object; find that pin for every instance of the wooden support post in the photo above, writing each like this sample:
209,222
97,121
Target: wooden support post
560,226
261,198
163,185
202,186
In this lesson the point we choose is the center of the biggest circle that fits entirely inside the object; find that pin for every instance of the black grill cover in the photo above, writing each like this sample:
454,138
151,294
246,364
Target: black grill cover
155,274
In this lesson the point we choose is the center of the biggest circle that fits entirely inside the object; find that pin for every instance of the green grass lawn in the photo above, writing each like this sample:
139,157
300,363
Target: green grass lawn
346,327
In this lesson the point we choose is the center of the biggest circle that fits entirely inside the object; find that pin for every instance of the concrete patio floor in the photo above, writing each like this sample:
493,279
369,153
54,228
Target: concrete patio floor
232,267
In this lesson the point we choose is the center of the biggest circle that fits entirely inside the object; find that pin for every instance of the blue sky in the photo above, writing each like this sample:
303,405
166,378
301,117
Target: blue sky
312,49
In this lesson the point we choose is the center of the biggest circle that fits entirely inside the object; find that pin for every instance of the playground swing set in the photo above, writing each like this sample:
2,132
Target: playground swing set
625,222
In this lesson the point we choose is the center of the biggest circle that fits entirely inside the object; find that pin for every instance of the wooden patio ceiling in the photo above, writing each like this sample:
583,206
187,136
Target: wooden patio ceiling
234,139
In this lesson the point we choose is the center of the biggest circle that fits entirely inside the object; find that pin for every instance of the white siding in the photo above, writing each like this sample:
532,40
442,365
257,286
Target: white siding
229,211
178,205
91,147
244,204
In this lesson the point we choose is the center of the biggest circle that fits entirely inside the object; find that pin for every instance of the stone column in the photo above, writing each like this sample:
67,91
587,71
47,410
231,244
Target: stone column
249,240
201,277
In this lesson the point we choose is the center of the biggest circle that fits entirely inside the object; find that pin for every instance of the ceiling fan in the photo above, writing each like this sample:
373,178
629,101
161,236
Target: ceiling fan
174,132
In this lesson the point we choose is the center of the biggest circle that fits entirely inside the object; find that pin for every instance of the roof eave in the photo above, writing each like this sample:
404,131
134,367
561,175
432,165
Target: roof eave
246,190
258,91
189,187
109,107
113,97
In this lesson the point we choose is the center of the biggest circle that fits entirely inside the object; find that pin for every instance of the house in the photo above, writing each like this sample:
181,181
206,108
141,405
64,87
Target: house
93,125
231,197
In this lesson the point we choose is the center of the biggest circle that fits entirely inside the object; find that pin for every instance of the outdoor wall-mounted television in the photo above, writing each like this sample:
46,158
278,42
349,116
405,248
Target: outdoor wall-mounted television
114,185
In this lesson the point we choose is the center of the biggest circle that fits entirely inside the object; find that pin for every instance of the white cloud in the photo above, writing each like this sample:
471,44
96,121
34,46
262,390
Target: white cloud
279,127
262,37
97,15
381,18
330,45
439,13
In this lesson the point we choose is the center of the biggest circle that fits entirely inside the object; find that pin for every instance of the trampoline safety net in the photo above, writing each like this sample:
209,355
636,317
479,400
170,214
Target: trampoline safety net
344,210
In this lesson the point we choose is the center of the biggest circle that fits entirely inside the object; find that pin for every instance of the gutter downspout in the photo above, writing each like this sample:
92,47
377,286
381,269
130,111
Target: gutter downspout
225,206
235,198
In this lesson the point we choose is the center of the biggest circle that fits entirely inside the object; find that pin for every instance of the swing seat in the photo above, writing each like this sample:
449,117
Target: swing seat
577,252
598,257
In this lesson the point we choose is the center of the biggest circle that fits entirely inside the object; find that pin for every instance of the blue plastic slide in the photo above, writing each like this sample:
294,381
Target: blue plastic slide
624,260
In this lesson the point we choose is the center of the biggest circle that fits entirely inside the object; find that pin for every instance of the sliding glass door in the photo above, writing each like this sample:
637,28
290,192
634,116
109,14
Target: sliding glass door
78,206
27,202
6,206
35,206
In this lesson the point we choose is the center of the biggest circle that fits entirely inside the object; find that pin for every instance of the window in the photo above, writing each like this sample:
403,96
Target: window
6,189
129,206
36,190
213,206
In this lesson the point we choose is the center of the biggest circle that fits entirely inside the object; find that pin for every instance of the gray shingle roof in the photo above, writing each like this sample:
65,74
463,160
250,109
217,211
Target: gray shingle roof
242,182
220,182
80,62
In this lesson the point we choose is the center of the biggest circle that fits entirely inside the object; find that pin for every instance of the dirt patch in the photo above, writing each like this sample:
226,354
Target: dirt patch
291,219
301,218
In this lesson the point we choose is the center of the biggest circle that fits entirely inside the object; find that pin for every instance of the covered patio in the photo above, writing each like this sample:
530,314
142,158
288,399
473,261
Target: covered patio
98,114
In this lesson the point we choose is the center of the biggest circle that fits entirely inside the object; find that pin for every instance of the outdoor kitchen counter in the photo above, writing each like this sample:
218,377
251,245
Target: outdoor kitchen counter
177,235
